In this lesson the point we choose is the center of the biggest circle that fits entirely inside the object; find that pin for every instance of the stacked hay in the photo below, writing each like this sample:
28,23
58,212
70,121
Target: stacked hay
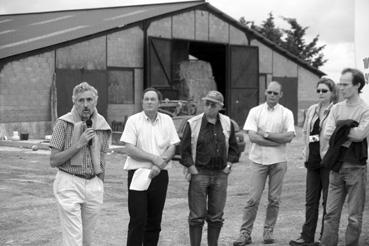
195,80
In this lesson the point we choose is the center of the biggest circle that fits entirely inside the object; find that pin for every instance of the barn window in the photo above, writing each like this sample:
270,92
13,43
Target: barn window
121,86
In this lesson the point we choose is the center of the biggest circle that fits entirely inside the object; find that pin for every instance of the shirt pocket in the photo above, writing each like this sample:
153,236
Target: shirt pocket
162,140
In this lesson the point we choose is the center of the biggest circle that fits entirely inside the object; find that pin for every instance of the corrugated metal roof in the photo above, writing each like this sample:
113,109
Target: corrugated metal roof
21,33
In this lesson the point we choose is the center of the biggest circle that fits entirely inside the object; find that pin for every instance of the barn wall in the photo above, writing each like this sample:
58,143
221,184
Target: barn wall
90,55
236,36
184,25
161,28
218,30
265,57
306,91
283,67
202,25
25,95
199,25
125,48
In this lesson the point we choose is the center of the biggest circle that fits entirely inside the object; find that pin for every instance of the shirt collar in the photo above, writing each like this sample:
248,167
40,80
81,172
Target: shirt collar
205,120
148,119
271,109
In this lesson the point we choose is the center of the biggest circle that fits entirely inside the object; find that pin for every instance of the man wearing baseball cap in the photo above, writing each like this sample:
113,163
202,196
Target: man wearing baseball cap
208,149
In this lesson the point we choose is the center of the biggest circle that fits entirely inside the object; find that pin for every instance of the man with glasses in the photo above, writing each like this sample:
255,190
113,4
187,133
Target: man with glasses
209,147
270,127
350,176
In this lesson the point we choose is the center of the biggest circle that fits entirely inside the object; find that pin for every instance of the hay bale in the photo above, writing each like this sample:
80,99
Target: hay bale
195,80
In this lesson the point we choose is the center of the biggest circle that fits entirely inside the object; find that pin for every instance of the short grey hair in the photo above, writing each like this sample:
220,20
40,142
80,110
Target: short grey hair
82,87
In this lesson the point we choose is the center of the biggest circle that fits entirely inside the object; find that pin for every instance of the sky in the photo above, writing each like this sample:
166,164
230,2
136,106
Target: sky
332,20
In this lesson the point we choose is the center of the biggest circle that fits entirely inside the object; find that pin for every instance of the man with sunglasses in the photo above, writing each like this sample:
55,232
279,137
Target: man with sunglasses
209,147
270,127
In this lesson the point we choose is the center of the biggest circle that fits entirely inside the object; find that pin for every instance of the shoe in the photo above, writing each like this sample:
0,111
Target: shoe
243,239
268,237
301,242
317,243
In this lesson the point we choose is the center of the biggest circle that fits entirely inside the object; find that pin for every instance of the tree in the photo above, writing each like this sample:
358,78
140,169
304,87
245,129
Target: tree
292,39
295,43
269,30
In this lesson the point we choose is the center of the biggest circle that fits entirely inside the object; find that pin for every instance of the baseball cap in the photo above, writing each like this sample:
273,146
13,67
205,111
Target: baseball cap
214,96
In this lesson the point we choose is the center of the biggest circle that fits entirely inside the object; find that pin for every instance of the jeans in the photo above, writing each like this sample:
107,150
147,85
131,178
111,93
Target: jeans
259,174
351,182
145,210
317,181
207,195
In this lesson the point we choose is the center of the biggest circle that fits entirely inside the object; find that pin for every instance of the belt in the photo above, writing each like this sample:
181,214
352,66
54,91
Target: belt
83,176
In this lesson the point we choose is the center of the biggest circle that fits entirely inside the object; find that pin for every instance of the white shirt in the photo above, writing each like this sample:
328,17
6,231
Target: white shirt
276,120
153,137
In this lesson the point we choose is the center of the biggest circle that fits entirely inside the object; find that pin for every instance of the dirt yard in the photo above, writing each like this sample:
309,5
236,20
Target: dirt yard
29,215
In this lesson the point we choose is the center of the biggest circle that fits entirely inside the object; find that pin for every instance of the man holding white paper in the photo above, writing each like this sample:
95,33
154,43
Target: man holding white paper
150,138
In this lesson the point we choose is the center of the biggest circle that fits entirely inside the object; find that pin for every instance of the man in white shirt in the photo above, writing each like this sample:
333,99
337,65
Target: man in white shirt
150,138
270,127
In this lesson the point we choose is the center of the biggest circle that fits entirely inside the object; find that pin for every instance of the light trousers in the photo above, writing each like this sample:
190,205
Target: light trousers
79,203
259,175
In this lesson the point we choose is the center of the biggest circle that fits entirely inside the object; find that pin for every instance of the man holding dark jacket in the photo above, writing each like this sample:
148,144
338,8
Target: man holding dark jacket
350,178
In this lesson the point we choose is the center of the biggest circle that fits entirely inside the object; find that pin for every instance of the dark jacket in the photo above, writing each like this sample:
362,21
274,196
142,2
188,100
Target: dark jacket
356,153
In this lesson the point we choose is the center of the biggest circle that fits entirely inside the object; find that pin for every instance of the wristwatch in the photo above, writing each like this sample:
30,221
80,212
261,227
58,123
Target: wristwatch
266,135
229,166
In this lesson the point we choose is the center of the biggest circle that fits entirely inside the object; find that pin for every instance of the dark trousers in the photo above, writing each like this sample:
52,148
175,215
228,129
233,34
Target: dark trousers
317,181
145,210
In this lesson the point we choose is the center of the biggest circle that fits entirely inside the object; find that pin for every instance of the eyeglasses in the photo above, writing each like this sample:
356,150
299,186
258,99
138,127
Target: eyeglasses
211,104
273,92
321,90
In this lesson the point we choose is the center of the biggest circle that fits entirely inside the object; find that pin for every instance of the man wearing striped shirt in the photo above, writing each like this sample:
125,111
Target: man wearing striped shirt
78,146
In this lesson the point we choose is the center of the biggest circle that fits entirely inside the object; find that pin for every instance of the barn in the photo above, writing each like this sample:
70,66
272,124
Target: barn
181,48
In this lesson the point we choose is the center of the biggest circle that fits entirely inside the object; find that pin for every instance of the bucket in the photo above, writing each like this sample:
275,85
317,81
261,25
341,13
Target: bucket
23,136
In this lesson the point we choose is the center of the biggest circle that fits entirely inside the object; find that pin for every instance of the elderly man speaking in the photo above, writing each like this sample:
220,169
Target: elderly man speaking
78,146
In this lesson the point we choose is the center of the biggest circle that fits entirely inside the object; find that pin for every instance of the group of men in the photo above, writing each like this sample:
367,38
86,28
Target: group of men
208,150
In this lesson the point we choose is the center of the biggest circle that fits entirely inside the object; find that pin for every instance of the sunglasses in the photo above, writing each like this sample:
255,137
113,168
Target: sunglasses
321,90
273,92
211,104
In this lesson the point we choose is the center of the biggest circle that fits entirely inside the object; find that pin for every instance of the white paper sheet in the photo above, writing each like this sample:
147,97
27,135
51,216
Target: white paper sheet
140,180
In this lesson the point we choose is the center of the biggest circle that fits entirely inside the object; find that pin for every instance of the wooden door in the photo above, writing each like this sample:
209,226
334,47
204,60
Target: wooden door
289,98
160,62
244,81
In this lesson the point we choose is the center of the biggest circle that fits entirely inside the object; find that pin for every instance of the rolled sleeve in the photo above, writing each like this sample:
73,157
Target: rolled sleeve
129,134
58,137
290,122
174,139
251,123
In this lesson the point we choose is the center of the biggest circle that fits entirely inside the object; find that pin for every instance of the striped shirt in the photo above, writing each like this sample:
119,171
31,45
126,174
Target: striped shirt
61,140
